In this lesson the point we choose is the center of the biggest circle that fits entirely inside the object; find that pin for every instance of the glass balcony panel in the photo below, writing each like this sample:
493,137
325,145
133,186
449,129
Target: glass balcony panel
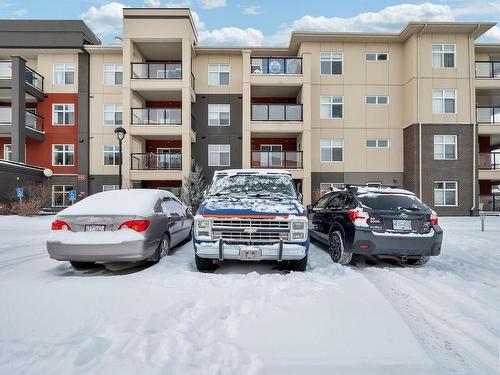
483,69
5,115
139,71
277,112
294,66
294,112
5,69
259,112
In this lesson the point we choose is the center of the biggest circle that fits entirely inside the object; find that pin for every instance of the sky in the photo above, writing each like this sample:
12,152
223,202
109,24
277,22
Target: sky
258,22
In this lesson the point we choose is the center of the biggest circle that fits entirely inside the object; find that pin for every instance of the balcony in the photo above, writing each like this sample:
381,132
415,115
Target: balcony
31,76
488,115
487,69
277,159
277,112
276,65
156,116
156,162
489,202
489,161
33,123
156,71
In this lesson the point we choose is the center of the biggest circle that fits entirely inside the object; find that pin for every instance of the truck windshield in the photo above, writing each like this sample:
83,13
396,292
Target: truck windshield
391,202
253,185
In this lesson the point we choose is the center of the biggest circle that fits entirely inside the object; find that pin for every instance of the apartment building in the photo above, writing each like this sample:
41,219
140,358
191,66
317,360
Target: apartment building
417,108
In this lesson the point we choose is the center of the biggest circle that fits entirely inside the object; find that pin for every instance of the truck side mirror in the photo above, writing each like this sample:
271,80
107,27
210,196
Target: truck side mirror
309,208
299,197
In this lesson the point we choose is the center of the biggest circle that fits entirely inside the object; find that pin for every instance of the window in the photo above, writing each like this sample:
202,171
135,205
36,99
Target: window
445,193
219,155
218,74
331,150
271,155
377,143
113,74
443,55
64,74
331,62
63,114
377,100
60,195
113,114
219,114
444,101
375,56
7,152
109,187
445,147
332,106
111,155
63,155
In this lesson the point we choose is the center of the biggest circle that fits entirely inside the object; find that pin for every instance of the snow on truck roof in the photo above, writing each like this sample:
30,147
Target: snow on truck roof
230,172
138,202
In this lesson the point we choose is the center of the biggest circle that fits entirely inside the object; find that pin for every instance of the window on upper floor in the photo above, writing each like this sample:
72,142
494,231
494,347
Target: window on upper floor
63,114
113,114
7,152
445,147
445,193
64,74
377,56
219,155
444,101
111,155
331,62
377,100
109,187
113,74
377,143
332,107
219,114
218,74
63,155
331,150
443,55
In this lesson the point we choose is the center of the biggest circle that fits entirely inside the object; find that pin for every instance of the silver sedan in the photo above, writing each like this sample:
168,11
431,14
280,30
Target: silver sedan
119,226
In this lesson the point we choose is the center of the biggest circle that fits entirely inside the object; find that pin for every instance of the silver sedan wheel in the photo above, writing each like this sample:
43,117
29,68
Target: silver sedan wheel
164,246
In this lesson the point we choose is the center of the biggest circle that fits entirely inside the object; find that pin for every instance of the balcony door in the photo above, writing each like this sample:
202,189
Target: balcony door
271,155
168,158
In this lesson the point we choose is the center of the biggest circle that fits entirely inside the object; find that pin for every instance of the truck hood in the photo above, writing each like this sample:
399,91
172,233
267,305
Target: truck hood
252,207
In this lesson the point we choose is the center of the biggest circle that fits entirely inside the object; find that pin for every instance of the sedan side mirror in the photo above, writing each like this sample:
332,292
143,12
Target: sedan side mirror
309,208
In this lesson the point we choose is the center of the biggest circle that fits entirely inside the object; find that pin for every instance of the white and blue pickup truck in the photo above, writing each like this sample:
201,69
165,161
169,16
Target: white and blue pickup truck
251,215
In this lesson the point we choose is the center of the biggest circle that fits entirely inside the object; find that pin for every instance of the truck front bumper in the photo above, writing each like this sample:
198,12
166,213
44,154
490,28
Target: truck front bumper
277,252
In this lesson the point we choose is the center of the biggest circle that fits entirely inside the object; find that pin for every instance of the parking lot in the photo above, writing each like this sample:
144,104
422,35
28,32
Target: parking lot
251,318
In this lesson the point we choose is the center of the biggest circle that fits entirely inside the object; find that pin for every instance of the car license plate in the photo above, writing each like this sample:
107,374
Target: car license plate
95,228
401,224
250,254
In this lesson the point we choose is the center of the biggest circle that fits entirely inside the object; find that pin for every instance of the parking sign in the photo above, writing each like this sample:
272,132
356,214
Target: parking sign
72,195
19,192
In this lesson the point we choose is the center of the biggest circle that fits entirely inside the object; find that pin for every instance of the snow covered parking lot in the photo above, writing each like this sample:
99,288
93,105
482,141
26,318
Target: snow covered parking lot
251,318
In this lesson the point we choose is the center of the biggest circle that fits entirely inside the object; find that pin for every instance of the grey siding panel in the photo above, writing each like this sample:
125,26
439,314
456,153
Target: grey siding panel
96,182
83,120
13,176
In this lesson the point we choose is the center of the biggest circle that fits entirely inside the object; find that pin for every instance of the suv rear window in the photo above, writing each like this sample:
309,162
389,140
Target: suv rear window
391,202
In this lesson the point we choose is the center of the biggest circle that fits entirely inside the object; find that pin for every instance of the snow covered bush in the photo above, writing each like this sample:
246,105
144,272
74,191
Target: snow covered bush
36,197
194,188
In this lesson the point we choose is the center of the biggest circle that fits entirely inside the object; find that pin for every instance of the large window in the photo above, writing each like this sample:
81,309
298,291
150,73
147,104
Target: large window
60,195
7,152
219,155
64,74
113,74
63,114
444,101
218,74
113,114
332,107
331,62
376,56
443,55
445,193
331,150
445,147
63,155
109,187
377,143
219,114
377,100
111,155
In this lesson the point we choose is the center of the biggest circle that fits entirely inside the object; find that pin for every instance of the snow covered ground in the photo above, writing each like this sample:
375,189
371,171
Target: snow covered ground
251,318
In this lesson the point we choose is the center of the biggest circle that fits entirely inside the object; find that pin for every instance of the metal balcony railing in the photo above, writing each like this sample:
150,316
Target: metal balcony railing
276,112
277,159
488,115
32,120
156,70
489,202
32,77
487,69
156,116
489,161
276,65
150,161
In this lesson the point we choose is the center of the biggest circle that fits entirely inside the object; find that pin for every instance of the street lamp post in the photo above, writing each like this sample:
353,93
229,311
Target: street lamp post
120,134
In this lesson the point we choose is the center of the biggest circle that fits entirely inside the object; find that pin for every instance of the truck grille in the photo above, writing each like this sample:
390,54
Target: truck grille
250,223
265,230
250,237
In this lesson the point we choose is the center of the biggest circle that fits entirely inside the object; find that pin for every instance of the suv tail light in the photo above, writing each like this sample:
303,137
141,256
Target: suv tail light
137,225
434,219
60,225
358,216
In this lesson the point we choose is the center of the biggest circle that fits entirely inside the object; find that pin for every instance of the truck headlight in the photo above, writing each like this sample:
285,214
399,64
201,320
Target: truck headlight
298,229
203,228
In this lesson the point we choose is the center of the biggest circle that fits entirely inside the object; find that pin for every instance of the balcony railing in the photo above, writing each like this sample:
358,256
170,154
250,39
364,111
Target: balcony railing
487,69
488,115
32,77
156,71
156,116
276,65
489,161
489,202
276,112
155,162
32,120
277,159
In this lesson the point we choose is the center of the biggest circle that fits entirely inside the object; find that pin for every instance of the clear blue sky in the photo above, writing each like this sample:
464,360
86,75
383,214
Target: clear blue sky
264,22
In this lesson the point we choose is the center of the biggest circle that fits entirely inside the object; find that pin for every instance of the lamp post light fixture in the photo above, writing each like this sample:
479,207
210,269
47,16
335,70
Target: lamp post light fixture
120,134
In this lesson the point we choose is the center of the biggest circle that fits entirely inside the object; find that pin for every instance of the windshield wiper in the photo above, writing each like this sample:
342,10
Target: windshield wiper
408,209
225,194
260,195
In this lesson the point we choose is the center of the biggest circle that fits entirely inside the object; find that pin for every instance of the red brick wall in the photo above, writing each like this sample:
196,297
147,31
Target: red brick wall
484,144
157,184
3,141
288,144
484,187
163,104
152,145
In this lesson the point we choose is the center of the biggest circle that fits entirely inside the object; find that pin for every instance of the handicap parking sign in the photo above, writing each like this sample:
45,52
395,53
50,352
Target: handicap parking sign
19,192
72,195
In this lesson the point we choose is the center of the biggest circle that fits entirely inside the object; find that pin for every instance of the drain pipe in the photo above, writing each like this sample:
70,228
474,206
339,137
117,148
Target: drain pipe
474,121
420,182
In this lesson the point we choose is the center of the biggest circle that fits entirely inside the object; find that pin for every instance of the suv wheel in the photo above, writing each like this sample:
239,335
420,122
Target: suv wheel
336,248
82,265
417,262
203,264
